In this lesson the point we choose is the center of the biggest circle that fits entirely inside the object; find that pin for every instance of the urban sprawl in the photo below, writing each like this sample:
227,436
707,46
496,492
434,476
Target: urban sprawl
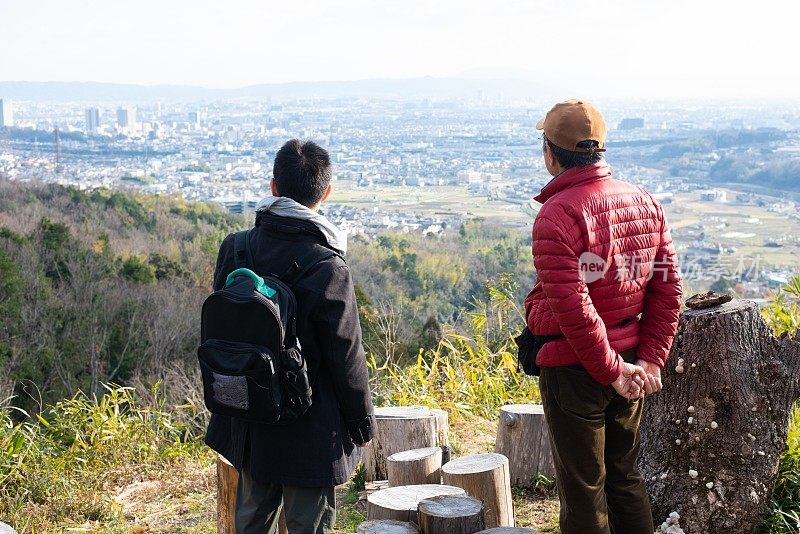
400,163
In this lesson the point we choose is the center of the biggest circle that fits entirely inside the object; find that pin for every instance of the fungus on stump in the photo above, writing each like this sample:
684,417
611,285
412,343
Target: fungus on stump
712,439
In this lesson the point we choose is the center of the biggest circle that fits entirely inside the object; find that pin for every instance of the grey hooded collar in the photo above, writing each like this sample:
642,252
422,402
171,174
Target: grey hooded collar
286,207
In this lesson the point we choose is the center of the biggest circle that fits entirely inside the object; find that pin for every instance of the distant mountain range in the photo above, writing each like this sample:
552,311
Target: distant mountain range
411,88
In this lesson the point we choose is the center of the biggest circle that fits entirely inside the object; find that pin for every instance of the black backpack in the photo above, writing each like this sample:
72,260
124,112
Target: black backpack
250,358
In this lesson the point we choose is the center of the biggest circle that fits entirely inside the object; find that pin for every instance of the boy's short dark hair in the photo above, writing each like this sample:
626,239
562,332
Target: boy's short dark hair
568,159
302,171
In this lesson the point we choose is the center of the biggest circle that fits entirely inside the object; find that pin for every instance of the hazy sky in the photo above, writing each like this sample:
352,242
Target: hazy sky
603,47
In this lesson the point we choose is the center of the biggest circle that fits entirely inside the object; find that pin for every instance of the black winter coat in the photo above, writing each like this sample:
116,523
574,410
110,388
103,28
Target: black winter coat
317,450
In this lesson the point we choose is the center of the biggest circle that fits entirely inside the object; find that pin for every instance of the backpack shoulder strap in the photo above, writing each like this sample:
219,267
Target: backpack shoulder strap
241,250
298,268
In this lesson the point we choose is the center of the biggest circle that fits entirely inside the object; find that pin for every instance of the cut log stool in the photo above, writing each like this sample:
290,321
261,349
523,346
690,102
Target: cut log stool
508,530
442,433
417,466
523,437
400,502
403,428
450,514
227,484
387,526
485,477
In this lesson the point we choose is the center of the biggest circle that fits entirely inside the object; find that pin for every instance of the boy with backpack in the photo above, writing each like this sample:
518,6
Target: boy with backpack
284,372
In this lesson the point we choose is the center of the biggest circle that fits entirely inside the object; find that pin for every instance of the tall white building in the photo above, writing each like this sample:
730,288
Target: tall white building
6,113
126,118
92,120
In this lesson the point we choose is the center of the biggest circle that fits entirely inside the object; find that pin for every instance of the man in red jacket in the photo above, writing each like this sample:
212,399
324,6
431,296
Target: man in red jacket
607,297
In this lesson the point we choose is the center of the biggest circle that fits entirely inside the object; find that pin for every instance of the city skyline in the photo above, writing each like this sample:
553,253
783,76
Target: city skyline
625,49
6,112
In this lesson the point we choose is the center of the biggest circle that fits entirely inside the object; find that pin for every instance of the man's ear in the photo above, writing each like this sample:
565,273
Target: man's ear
327,193
274,188
550,157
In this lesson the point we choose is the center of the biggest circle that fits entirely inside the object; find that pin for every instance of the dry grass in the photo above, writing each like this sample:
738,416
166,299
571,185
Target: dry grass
183,501
116,466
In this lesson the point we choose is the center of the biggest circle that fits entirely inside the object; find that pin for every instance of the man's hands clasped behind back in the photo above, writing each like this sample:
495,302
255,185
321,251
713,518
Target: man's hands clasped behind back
653,371
631,381
637,380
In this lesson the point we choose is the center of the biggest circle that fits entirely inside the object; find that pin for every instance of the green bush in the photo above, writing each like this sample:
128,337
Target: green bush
783,516
784,508
167,268
783,313
137,270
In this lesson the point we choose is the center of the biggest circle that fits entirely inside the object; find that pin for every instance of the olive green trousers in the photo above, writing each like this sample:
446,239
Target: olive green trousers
258,506
594,433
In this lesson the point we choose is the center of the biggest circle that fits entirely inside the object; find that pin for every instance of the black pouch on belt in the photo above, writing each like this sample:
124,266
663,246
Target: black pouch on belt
528,346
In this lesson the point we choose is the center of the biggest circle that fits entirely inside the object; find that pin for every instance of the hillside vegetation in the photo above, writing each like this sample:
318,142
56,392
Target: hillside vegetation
96,287
101,417
101,288
105,287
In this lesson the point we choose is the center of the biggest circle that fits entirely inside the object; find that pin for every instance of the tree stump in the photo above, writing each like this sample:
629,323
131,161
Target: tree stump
713,437
400,502
442,433
523,437
387,526
417,466
227,484
450,514
402,428
485,477
508,530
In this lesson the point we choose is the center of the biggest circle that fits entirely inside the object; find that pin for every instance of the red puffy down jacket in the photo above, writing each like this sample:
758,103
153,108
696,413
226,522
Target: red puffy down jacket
607,273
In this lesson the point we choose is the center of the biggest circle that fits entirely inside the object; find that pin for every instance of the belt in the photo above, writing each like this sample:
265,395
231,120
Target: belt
629,356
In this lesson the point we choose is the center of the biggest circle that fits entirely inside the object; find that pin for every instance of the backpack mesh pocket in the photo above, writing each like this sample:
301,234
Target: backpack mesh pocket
240,380
231,391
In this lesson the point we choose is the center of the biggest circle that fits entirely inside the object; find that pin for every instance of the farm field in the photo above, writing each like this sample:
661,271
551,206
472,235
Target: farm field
427,201
747,228
743,230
